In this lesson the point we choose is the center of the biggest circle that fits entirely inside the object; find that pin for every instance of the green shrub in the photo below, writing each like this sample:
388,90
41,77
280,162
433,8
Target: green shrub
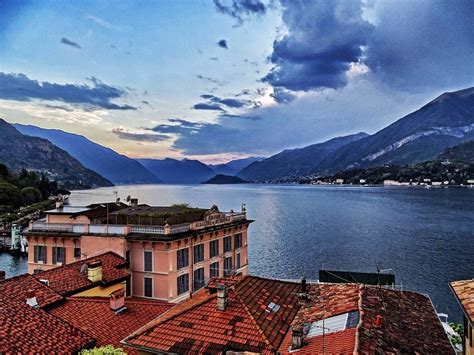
104,350
10,195
30,195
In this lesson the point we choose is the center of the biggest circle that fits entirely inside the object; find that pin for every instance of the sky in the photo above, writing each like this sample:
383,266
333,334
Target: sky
217,80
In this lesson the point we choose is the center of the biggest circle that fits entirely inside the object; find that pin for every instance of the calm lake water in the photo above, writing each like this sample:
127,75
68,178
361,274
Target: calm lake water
426,236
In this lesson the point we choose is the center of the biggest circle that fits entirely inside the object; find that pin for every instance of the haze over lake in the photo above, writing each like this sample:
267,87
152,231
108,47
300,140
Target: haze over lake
426,236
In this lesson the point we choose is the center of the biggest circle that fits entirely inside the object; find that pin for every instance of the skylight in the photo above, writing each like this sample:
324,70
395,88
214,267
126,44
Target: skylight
273,307
334,324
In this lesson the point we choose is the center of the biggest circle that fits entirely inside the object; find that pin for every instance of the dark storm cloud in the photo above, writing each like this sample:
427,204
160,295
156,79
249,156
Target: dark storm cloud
208,107
323,39
70,43
19,87
232,103
283,96
240,9
139,137
222,43
426,45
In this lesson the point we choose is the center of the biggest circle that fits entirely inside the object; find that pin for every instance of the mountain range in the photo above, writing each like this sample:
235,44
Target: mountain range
423,135
445,122
18,151
113,166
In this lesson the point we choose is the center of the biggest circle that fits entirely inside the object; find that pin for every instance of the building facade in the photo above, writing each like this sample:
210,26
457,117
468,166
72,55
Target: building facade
172,251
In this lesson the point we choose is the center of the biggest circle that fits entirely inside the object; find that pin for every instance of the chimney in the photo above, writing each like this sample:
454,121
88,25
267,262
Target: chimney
134,202
304,286
221,297
117,301
297,335
59,204
31,299
94,271
2,275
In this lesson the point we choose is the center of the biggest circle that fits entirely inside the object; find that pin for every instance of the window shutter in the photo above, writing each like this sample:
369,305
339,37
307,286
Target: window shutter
36,253
55,255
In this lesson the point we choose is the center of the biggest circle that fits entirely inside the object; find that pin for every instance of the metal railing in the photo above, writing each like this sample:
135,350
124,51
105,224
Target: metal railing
147,229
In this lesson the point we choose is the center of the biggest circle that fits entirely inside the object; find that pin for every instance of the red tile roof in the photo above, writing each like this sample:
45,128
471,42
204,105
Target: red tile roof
94,317
197,326
68,279
408,324
24,329
464,291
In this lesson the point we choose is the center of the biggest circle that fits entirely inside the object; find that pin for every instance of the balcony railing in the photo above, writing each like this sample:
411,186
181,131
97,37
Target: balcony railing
41,226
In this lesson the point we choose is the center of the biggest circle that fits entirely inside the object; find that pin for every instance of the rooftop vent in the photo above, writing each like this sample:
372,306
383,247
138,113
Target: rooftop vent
94,271
221,297
31,299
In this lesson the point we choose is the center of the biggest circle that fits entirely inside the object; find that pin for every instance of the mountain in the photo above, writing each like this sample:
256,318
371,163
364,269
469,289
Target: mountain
19,151
461,153
113,166
295,162
222,179
234,166
419,136
174,171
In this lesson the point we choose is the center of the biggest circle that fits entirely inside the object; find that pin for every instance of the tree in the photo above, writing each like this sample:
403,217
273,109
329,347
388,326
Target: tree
30,195
10,195
4,173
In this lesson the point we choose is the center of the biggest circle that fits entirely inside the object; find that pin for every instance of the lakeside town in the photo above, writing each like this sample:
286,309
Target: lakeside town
175,279
237,177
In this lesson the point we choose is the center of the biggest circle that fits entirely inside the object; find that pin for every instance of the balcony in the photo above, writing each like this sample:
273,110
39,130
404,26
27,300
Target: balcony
41,226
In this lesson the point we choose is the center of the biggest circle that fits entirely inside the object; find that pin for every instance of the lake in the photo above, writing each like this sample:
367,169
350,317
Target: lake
425,236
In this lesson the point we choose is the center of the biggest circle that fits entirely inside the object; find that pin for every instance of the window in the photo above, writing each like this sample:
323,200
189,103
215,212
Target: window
148,259
148,287
58,255
198,253
227,266
237,260
40,254
214,269
238,241
183,258
214,248
227,244
77,252
198,279
183,284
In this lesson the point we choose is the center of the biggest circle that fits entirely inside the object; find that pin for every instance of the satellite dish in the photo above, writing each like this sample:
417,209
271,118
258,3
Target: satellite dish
129,198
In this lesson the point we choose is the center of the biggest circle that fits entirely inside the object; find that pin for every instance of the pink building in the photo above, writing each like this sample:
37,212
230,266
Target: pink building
173,251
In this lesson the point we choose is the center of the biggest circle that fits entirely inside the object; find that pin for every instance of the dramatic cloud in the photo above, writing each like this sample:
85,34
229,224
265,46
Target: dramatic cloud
240,9
208,107
139,137
70,43
19,87
426,45
324,38
283,96
232,103
222,43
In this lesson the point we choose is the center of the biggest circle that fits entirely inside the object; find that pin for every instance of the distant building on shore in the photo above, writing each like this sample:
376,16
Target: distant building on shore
172,250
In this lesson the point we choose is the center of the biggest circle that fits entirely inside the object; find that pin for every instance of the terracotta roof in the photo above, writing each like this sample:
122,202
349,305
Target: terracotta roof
324,301
464,291
197,326
69,279
94,317
24,329
409,324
